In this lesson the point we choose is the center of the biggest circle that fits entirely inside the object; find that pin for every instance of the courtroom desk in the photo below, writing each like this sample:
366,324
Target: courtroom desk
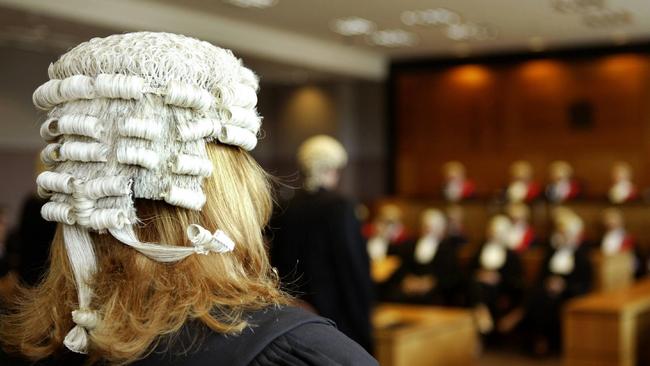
382,269
609,328
612,272
408,335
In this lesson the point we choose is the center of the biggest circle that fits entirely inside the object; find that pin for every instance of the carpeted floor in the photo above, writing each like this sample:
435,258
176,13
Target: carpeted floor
506,358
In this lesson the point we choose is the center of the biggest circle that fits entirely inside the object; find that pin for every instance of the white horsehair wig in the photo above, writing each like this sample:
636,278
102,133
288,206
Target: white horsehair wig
319,154
129,117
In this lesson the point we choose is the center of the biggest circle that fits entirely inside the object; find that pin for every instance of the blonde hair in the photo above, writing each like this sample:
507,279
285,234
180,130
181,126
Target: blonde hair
560,169
453,168
141,301
521,169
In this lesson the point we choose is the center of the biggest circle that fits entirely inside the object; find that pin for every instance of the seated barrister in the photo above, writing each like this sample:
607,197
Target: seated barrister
456,224
522,187
563,187
429,273
386,233
616,238
497,284
522,235
457,186
622,189
566,273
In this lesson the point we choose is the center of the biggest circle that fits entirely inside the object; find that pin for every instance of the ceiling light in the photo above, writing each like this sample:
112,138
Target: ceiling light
471,31
459,32
433,17
353,26
393,38
577,6
607,18
260,4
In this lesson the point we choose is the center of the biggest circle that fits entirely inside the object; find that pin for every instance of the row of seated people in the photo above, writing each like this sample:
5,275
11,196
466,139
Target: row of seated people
562,186
427,270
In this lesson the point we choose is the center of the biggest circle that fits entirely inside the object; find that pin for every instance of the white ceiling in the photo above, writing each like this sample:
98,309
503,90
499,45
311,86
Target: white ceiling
517,22
298,32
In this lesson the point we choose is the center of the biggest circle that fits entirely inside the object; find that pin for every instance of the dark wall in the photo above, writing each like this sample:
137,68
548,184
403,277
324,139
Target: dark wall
351,111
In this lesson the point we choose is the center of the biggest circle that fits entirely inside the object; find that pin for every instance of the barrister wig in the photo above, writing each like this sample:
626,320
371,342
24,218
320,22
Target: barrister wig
160,207
317,156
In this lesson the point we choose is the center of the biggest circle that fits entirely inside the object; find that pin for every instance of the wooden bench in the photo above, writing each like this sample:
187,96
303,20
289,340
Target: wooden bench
609,328
407,335
612,272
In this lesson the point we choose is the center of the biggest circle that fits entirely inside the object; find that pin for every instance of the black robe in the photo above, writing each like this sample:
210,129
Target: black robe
506,294
543,309
275,337
443,268
318,249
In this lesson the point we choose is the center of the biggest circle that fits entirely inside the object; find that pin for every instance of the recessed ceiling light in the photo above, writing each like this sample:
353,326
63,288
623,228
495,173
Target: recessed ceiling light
607,18
577,6
353,26
433,17
393,38
464,31
470,31
260,4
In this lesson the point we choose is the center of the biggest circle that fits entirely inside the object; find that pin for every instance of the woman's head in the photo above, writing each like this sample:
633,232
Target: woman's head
147,133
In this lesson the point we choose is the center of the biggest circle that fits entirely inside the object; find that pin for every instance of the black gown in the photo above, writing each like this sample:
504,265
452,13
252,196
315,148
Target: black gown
276,337
320,254
443,268
506,294
543,309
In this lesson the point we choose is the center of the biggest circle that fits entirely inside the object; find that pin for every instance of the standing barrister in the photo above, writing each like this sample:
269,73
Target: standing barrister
317,245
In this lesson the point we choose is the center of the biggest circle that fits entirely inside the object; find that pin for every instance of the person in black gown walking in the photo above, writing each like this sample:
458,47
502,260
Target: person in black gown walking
317,245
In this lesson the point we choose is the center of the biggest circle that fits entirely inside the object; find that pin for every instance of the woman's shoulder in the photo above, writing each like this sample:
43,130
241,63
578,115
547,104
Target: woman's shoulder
313,344
273,336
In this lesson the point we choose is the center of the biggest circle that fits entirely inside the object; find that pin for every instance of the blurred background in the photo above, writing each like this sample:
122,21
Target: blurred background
407,86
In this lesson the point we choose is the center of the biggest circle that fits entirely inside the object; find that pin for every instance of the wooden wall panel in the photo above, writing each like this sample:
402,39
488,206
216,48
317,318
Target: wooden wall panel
491,115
